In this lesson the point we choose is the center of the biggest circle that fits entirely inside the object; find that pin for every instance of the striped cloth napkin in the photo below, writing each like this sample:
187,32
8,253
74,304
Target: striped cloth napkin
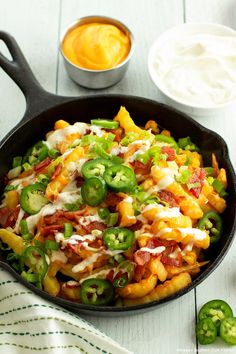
29,324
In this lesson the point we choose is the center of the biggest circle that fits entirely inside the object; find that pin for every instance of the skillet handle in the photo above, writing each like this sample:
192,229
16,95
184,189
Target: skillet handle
37,99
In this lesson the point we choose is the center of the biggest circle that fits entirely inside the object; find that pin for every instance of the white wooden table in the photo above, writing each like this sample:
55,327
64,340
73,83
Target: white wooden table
36,24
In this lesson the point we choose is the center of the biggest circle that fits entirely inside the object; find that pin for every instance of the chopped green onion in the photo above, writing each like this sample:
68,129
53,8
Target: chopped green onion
152,200
53,153
4,248
183,178
51,245
88,140
111,137
97,149
24,227
129,138
193,185
105,123
167,139
32,159
14,172
103,213
12,257
96,232
121,282
112,219
17,161
27,237
187,161
9,187
68,230
116,160
26,166
187,144
44,179
30,277
219,188
72,206
119,258
210,172
210,180
53,165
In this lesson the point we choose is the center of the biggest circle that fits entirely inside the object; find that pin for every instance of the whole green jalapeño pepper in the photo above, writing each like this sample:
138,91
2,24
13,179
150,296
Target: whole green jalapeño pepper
118,238
95,168
93,191
34,258
32,198
212,222
216,310
96,292
120,178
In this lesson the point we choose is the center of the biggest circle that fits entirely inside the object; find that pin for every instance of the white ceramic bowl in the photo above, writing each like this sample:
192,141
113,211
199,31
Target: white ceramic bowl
196,111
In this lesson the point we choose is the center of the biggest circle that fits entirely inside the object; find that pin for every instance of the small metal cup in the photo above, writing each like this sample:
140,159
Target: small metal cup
97,79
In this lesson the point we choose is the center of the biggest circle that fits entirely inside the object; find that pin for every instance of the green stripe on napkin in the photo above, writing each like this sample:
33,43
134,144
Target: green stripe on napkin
29,324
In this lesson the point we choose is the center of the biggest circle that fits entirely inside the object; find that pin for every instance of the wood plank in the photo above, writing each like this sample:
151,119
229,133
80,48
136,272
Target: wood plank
34,24
157,330
221,284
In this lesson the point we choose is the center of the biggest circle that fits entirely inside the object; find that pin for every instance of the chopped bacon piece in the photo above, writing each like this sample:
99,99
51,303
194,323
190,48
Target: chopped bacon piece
57,171
60,217
142,257
141,168
118,134
96,243
74,214
197,178
170,152
113,199
168,197
42,165
79,181
139,273
53,219
4,214
136,226
71,247
12,217
129,254
177,262
94,225
171,246
154,242
110,276
51,229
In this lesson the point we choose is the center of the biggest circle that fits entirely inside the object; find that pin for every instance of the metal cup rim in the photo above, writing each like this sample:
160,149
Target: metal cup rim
88,19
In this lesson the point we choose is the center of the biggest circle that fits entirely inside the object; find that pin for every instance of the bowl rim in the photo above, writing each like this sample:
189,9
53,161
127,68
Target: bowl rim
92,18
168,32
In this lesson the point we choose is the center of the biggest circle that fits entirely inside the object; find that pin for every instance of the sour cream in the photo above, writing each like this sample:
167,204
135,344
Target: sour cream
195,67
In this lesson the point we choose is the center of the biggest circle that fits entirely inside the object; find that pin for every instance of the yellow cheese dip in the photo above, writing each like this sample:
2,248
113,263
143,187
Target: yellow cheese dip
96,46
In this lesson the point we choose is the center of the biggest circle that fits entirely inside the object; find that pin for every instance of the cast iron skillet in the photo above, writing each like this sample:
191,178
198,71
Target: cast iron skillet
44,108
